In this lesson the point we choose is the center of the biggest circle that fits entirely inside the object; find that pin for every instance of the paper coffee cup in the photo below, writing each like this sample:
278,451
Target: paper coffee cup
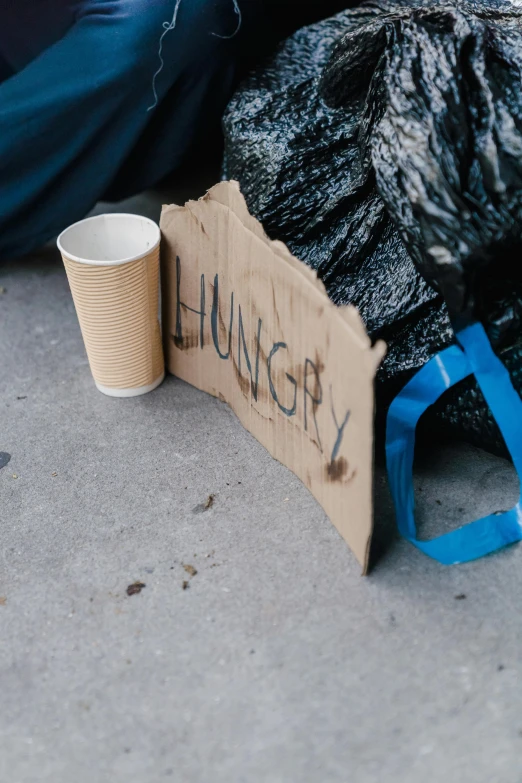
112,263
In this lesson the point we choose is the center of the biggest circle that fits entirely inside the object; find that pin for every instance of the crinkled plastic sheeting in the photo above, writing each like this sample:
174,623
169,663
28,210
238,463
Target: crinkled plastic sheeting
384,146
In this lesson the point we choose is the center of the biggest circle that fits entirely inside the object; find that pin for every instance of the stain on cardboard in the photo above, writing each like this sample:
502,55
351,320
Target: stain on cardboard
320,365
337,469
244,382
187,342
276,311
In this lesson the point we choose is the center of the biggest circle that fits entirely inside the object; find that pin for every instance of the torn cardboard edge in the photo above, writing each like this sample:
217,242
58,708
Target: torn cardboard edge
246,321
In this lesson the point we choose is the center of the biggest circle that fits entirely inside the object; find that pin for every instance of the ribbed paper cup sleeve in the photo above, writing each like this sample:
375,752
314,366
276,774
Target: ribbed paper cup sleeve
117,308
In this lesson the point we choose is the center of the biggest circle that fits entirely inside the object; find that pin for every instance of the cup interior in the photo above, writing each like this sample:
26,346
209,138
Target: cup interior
109,239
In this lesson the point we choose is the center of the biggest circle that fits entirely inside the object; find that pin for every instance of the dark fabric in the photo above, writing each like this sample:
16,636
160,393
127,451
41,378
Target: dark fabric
75,124
27,27
5,69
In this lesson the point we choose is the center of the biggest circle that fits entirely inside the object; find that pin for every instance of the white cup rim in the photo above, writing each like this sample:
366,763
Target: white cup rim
112,262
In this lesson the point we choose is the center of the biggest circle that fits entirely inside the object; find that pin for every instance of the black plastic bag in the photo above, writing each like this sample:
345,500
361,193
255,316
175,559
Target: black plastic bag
384,146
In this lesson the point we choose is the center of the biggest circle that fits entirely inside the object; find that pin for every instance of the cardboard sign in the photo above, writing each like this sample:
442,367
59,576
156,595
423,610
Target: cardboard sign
247,322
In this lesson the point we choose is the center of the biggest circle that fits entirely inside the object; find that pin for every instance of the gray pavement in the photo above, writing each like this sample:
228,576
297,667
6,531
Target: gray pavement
278,663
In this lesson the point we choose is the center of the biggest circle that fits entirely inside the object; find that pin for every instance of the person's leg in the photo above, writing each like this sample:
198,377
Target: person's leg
263,23
188,120
70,118
27,27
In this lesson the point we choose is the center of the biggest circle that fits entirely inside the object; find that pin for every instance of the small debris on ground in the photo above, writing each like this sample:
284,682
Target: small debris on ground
500,667
190,569
210,554
54,474
209,502
2,290
15,475
460,597
438,502
185,585
22,397
135,588
3,600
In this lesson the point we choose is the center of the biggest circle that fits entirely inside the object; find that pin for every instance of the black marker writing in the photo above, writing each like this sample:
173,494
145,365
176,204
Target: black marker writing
315,400
214,320
340,430
242,343
287,411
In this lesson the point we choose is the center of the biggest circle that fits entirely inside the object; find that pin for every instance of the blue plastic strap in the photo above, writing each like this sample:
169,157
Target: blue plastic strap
473,356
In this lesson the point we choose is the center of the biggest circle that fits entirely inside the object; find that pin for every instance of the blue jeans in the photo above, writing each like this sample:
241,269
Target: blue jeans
75,118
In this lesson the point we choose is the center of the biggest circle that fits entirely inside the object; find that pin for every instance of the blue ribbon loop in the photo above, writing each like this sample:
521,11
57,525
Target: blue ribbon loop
472,356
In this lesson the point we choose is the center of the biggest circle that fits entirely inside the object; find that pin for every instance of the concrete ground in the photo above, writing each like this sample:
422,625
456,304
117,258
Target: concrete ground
279,663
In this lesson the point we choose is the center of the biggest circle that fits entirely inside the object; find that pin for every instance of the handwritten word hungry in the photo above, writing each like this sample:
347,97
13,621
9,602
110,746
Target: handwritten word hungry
289,400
